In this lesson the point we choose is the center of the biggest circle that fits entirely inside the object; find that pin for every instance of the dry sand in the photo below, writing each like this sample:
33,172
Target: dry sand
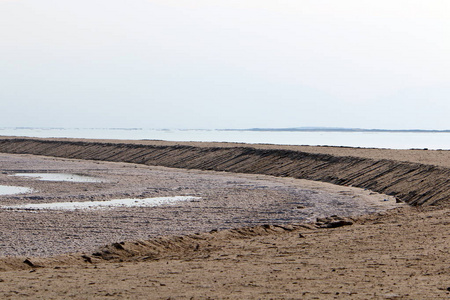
401,255
398,254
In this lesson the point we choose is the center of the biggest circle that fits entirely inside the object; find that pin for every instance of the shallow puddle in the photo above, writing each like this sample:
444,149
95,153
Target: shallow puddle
60,177
11,190
147,202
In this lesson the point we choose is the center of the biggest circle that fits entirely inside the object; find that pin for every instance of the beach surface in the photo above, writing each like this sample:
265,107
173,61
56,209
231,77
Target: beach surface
248,236
218,201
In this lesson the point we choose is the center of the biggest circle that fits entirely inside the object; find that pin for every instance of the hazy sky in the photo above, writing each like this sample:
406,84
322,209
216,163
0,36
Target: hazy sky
225,64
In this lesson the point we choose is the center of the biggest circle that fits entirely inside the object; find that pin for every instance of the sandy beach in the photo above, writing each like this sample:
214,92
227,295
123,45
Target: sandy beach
248,236
225,150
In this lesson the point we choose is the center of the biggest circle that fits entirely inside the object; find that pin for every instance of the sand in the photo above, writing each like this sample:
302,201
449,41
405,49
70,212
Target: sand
412,182
222,201
401,253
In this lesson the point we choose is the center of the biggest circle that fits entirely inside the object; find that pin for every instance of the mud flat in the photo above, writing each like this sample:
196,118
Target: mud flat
214,200
252,244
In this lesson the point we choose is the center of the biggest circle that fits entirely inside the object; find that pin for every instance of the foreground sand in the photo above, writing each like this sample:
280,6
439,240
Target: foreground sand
401,254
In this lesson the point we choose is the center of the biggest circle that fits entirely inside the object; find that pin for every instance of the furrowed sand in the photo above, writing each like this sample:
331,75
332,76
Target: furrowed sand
267,222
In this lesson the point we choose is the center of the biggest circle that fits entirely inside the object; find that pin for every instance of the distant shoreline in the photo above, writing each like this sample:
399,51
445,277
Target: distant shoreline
313,136
319,129
287,129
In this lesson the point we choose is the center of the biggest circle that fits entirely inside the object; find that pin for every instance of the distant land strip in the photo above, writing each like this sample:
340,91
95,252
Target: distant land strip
414,183
333,129
301,129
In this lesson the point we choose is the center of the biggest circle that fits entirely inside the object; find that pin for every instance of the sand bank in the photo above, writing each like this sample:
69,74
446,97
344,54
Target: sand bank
412,182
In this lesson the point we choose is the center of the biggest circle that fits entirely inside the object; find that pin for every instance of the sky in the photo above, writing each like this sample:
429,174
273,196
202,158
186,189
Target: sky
225,64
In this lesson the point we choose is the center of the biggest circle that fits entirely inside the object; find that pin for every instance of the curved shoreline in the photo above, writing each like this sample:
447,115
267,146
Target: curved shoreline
412,182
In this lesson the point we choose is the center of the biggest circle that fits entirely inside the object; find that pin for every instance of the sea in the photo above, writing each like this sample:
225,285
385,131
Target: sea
433,140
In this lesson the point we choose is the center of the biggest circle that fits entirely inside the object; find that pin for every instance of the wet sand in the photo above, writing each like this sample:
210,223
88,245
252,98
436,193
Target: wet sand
226,200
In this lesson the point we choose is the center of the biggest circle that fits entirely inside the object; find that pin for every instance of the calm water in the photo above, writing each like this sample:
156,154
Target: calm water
12,190
395,140
148,202
59,177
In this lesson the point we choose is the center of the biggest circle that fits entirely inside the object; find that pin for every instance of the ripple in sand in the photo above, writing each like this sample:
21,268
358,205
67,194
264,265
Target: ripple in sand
12,190
148,202
60,177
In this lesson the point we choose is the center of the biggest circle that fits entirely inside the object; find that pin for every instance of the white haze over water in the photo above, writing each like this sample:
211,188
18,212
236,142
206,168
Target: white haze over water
394,140
225,64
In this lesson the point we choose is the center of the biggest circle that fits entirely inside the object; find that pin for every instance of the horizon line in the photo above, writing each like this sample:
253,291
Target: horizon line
268,129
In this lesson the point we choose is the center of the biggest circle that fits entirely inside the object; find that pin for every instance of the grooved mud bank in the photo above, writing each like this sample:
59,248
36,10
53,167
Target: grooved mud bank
414,183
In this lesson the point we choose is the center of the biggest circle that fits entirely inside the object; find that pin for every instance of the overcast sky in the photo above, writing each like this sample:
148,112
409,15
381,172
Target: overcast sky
225,64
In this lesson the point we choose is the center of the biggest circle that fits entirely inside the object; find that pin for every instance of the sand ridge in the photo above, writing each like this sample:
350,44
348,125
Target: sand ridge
414,183
420,156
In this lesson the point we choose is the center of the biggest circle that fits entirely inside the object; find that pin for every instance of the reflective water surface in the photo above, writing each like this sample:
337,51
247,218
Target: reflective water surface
60,177
147,202
394,140
11,190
